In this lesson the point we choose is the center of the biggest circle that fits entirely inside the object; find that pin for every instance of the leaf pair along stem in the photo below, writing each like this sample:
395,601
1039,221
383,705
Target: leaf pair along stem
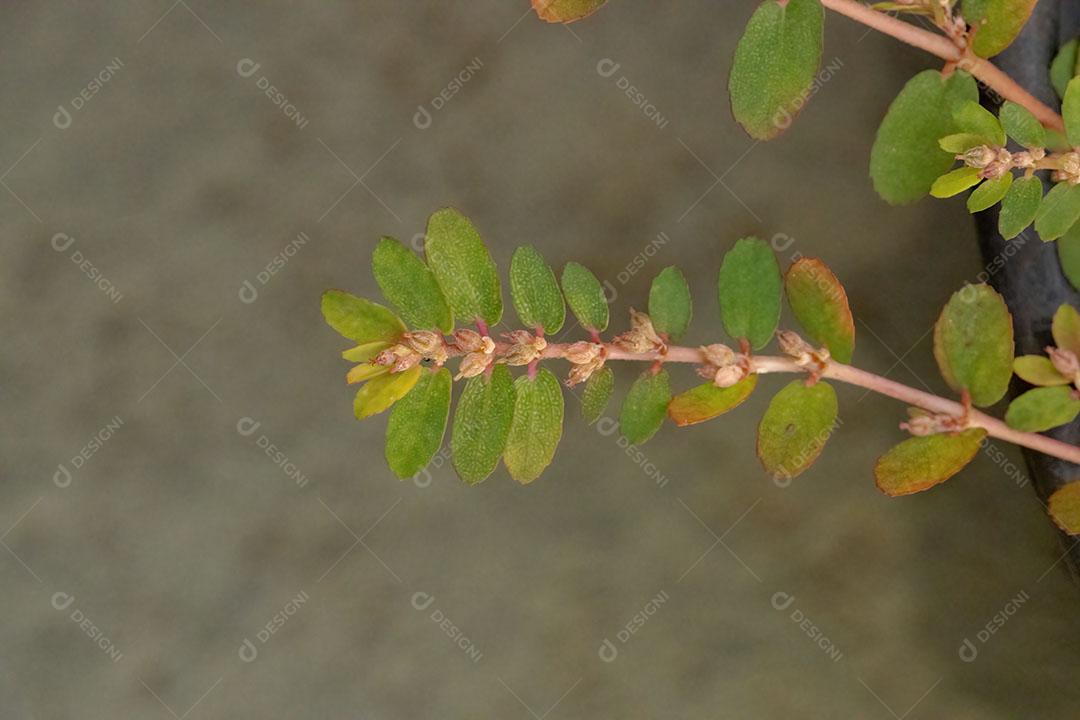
833,370
944,48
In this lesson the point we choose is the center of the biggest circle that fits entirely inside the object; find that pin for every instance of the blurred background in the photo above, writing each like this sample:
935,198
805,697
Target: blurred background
194,525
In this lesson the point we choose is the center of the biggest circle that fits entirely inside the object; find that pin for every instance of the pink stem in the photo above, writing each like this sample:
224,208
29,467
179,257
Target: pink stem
762,364
943,48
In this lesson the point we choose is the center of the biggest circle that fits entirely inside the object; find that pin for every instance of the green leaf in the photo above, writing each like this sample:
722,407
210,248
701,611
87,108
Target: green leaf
959,143
1058,212
821,306
380,393
749,291
990,193
565,11
997,23
707,401
973,344
410,286
955,182
585,297
1019,206
536,294
1022,126
1064,508
795,428
598,389
645,406
1038,370
1070,112
364,353
1064,67
536,427
1066,329
906,158
670,306
919,463
1068,247
1043,408
971,117
463,267
358,319
417,423
482,424
365,371
775,64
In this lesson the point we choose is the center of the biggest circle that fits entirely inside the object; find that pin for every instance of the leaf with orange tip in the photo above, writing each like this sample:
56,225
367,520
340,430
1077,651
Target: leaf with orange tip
821,306
1065,508
707,401
920,463
565,11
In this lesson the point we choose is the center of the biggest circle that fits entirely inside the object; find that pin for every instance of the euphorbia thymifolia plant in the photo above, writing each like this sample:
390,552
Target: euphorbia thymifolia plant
448,302
936,120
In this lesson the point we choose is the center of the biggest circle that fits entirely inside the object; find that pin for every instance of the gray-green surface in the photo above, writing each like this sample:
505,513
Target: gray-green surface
180,538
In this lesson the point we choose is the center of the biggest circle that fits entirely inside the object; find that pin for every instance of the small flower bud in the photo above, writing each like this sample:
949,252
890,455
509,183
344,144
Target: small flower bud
1070,163
468,340
429,344
399,357
641,337
729,375
718,354
585,358
1065,361
978,157
583,352
525,347
793,345
473,364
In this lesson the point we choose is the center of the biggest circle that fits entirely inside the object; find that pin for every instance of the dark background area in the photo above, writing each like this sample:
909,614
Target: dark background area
180,538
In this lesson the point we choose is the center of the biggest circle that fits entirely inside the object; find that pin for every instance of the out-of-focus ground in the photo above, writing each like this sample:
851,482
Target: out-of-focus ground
179,538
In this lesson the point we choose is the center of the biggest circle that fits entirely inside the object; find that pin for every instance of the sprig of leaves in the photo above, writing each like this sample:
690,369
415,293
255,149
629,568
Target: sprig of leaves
400,362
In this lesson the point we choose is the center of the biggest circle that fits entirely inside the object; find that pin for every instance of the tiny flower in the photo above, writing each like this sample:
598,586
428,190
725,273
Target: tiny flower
978,157
1065,361
525,347
718,354
793,345
585,359
473,364
429,344
399,357
583,352
468,340
641,337
729,375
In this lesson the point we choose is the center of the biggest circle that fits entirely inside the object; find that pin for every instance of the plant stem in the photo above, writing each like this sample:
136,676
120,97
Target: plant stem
942,47
762,364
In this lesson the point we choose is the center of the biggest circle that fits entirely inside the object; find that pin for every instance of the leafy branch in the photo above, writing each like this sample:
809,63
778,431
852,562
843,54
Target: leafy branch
400,362
936,119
